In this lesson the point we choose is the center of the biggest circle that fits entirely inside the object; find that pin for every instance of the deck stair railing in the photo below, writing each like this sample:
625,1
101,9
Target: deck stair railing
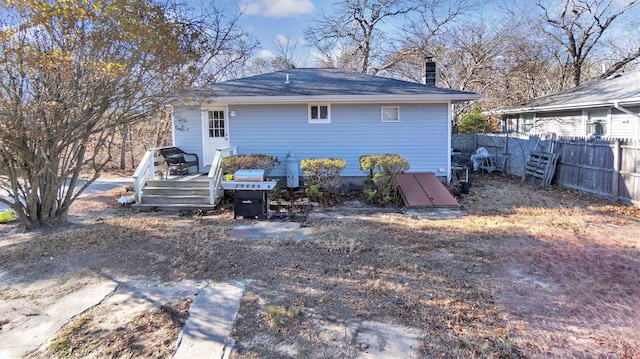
151,163
215,173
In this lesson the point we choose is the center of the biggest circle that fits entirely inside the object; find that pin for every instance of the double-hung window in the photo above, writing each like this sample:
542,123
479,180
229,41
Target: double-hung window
319,113
528,122
597,121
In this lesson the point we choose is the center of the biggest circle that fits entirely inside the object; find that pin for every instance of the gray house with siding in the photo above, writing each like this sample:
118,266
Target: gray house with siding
606,108
314,113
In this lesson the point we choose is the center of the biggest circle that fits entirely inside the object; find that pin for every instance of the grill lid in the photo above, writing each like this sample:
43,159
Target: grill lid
253,175
249,186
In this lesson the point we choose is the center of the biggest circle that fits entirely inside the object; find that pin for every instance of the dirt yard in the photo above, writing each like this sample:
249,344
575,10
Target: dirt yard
518,272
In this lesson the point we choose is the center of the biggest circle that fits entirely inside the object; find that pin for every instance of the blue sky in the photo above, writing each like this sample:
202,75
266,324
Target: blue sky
278,20
286,20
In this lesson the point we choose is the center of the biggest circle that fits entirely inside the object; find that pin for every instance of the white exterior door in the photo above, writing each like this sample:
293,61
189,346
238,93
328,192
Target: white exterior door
215,126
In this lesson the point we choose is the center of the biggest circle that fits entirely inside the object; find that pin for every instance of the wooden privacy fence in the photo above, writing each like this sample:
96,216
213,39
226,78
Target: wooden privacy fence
608,167
605,167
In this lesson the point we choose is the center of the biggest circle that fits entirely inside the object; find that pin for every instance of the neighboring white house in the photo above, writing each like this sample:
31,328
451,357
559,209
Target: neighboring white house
314,113
607,108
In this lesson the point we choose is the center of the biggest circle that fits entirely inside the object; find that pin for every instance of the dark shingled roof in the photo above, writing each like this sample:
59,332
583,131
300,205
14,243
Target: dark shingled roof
320,82
622,87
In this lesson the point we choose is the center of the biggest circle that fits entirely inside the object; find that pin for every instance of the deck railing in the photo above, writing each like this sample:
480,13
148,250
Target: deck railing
215,173
152,162
146,170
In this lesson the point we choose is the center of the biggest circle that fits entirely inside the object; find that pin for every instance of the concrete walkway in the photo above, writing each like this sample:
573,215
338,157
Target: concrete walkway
38,329
269,230
207,333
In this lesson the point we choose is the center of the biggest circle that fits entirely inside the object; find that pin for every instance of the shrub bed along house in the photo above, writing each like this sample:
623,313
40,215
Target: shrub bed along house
321,174
233,163
382,185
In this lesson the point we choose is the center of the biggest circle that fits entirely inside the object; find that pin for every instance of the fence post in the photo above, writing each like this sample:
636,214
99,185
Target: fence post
615,184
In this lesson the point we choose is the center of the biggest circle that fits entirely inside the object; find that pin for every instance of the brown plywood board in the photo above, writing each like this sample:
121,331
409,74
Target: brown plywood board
424,190
412,192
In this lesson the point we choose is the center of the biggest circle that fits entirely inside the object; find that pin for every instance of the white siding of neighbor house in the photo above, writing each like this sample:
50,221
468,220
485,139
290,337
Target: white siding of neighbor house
187,130
623,124
568,123
572,123
421,135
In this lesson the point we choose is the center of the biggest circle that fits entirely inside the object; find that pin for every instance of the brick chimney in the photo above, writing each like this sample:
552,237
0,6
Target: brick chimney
429,71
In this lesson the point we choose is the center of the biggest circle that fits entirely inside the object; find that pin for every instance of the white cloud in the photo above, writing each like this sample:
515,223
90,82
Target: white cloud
265,54
282,40
277,8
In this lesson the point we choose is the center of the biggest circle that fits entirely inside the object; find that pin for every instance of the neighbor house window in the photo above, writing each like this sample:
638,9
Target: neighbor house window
390,114
597,121
527,122
319,113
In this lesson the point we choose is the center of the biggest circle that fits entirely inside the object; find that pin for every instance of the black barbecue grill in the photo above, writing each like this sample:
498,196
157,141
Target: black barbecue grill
250,193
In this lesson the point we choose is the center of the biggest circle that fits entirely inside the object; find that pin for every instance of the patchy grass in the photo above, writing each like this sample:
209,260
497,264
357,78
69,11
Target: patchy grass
61,344
278,316
151,334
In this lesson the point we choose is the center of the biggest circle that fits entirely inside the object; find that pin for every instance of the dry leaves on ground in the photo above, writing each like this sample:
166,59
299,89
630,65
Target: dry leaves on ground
524,272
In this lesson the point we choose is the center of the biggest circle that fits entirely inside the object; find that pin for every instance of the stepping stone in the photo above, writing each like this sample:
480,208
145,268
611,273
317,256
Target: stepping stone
207,333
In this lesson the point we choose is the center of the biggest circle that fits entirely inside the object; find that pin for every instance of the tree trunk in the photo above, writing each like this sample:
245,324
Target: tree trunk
123,147
576,72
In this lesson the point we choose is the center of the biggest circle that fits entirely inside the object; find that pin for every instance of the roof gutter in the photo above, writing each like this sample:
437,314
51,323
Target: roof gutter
270,100
575,106
617,105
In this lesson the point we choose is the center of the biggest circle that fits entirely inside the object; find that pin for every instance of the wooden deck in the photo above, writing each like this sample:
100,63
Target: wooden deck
424,190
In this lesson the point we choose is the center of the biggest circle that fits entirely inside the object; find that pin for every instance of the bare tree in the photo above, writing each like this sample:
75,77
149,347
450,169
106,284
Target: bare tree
355,30
71,74
218,49
526,67
622,51
421,36
285,50
221,48
578,26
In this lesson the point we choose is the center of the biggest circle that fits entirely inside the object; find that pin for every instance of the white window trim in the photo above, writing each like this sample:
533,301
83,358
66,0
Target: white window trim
585,120
532,130
382,108
319,120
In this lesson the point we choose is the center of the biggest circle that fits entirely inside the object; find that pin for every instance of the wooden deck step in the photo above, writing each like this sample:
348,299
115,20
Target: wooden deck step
424,190
170,191
173,207
175,199
181,184
176,193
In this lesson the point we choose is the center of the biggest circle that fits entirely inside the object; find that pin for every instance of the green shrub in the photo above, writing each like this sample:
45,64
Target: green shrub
475,121
322,174
233,163
382,185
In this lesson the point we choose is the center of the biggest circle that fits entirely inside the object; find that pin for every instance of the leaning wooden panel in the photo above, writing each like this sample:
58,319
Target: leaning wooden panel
424,190
437,192
412,192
